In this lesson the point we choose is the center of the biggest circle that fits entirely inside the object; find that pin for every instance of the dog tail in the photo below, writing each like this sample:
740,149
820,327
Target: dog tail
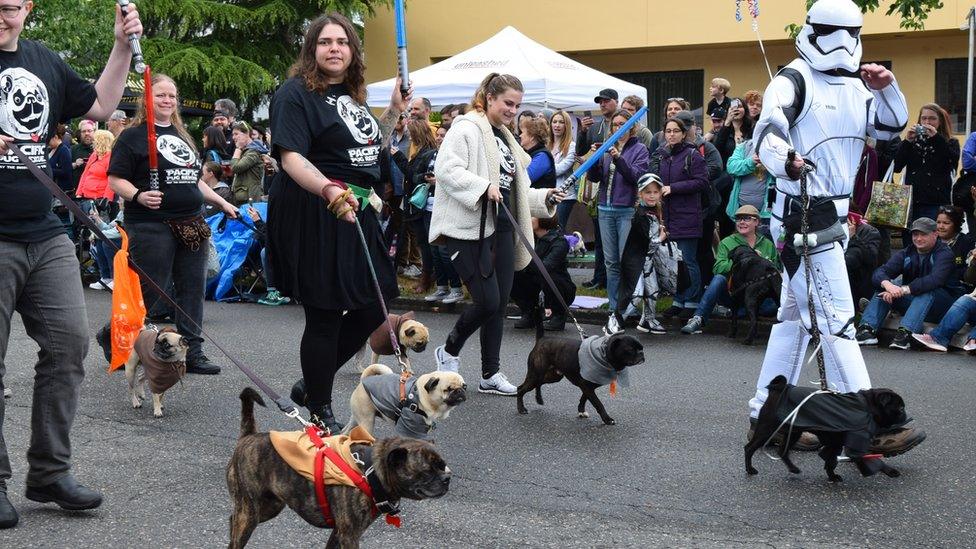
375,370
248,397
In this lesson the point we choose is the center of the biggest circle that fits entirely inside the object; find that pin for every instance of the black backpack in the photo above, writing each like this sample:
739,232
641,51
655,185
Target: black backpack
710,198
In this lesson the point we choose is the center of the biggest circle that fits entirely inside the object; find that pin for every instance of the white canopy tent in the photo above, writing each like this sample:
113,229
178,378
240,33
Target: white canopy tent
550,79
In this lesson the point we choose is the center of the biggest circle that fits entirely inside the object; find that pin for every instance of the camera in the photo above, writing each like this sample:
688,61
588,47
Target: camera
736,104
920,132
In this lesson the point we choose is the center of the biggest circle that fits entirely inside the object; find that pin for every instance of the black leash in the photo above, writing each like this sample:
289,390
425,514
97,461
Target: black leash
284,404
542,269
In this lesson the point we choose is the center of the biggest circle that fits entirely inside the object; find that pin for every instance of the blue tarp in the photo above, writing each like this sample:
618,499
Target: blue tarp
232,243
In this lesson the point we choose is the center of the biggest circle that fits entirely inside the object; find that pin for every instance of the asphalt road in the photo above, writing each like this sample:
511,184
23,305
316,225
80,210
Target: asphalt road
669,473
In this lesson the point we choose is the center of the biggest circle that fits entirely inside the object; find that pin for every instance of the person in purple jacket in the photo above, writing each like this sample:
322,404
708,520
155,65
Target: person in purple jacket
683,175
618,172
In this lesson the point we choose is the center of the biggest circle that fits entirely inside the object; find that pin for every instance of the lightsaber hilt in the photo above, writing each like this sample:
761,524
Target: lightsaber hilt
134,45
153,180
404,73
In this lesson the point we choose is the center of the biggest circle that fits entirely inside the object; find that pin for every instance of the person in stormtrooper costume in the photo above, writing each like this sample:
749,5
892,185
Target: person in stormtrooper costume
821,106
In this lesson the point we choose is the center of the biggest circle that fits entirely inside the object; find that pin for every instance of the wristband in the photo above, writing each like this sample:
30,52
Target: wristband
135,197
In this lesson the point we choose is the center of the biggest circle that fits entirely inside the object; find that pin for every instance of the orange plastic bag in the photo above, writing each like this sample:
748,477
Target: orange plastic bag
128,308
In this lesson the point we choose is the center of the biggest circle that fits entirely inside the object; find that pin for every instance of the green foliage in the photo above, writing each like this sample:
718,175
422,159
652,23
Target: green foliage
213,48
913,13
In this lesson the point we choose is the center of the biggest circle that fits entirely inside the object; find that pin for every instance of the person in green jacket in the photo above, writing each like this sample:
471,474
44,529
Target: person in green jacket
751,184
746,226
247,165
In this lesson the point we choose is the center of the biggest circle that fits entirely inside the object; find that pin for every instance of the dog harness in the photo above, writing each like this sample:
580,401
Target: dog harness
379,340
396,398
331,461
594,366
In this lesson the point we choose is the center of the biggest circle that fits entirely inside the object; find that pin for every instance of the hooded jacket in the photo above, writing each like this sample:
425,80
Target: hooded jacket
248,173
683,169
632,162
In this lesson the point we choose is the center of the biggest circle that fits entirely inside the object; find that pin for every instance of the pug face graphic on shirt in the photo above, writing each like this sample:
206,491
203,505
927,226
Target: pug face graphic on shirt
24,105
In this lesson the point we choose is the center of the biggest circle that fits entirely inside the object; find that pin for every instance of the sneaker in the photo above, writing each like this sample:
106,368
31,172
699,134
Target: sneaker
103,284
412,272
866,335
694,326
651,326
671,311
594,285
7,392
201,365
613,326
897,442
272,298
438,294
453,296
902,340
930,342
497,384
446,362
970,346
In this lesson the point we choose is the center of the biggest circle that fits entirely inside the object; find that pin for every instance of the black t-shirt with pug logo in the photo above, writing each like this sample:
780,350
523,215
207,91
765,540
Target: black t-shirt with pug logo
179,171
506,178
38,90
337,135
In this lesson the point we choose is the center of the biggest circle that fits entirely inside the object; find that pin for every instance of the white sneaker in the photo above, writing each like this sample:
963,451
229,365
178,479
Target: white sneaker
446,362
438,294
412,272
613,326
651,326
7,392
497,384
100,285
455,295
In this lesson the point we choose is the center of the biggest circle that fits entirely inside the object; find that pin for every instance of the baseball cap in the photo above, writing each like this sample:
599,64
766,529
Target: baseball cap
606,94
219,112
923,225
686,118
646,180
719,112
747,209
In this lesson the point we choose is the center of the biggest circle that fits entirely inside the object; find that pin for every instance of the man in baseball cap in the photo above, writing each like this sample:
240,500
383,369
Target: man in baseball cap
927,289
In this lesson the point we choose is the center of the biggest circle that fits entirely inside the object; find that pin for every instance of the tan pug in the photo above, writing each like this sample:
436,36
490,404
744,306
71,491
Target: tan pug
414,408
162,354
411,334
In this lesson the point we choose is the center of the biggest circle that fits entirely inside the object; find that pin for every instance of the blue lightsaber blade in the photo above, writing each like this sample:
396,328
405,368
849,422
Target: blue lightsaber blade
596,156
401,38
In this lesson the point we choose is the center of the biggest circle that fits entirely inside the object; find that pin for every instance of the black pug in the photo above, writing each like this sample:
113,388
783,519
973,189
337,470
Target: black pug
840,420
754,278
588,365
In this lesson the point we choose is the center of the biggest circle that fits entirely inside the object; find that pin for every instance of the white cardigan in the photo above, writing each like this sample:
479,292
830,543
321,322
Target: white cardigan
467,162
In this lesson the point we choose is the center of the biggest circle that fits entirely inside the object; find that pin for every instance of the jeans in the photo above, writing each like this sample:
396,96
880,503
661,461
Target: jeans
563,209
599,267
104,255
40,281
420,228
688,298
443,269
171,265
614,228
961,312
916,309
489,293
718,292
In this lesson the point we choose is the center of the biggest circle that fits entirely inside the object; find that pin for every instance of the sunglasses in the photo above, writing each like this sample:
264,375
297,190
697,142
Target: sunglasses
745,218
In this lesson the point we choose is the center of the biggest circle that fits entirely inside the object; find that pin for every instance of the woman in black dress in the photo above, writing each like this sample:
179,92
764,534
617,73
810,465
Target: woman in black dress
328,144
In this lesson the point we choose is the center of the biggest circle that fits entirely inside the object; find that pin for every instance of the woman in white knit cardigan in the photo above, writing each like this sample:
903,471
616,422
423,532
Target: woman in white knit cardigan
481,166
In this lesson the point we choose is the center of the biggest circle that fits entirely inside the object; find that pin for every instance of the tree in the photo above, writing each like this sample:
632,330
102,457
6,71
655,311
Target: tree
213,48
913,13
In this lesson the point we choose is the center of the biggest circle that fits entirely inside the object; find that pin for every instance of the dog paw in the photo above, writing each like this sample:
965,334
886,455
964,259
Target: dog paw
609,421
835,478
523,411
136,403
892,473
157,413
583,415
795,470
752,470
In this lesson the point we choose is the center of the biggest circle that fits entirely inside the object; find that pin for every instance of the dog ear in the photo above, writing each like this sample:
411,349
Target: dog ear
431,383
410,332
184,342
397,458
167,329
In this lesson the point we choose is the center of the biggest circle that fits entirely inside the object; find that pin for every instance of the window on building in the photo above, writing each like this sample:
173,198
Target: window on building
664,85
950,91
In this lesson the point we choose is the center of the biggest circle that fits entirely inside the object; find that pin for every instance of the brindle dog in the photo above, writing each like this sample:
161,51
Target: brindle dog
261,484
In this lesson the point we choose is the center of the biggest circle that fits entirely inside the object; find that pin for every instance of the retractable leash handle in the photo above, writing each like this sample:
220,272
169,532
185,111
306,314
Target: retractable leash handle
134,45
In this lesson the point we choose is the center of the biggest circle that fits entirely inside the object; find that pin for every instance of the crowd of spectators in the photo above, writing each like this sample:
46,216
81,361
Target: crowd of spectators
714,195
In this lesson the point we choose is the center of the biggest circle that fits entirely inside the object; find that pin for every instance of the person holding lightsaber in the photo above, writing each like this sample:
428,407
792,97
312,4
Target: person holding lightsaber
36,257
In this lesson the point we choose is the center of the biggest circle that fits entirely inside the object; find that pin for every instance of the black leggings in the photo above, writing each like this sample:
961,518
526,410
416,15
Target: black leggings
490,294
329,341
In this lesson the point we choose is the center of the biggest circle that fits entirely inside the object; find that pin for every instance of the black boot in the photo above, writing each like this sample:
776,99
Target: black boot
527,320
323,417
104,340
200,364
8,515
67,493
556,323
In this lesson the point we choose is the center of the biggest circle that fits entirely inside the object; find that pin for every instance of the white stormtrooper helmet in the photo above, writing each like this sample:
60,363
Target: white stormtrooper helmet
831,37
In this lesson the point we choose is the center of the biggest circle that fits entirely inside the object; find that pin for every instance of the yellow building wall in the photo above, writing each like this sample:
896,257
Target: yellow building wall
645,36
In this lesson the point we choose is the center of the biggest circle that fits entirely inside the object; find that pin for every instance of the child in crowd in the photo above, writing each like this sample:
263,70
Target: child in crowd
719,90
210,174
638,276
